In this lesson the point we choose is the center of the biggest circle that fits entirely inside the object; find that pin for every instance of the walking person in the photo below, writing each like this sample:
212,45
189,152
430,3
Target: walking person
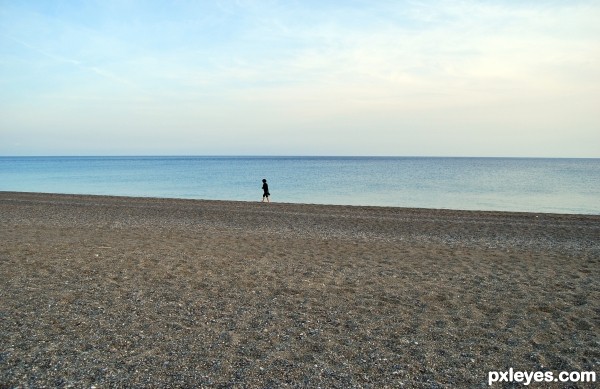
265,189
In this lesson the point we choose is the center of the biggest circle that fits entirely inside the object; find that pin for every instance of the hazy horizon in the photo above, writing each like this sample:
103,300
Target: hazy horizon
494,78
282,156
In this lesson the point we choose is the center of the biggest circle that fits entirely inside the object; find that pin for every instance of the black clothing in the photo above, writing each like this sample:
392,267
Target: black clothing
265,189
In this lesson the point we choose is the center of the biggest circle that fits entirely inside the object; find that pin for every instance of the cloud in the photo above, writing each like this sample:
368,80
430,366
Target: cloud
79,64
476,51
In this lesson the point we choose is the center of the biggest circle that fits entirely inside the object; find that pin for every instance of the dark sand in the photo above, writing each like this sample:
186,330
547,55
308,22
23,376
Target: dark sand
131,292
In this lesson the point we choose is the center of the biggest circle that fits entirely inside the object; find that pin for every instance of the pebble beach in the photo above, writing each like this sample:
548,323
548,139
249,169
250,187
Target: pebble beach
119,292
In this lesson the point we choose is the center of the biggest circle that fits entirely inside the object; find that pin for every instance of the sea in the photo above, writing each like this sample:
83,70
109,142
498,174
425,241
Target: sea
494,184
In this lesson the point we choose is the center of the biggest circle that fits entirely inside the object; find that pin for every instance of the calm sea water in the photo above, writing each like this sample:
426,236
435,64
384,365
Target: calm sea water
506,184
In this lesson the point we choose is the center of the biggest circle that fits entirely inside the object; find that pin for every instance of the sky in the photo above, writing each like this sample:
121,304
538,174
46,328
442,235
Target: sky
514,78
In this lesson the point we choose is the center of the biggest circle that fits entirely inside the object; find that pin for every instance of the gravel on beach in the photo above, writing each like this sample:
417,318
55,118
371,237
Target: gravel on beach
119,292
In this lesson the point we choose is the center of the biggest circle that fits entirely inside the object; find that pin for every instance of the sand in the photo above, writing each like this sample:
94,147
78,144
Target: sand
137,292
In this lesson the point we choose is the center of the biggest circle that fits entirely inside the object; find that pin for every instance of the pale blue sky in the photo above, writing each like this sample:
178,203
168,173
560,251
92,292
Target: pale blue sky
436,78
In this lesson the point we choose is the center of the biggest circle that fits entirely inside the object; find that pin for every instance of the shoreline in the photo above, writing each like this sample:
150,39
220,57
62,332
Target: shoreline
358,206
134,291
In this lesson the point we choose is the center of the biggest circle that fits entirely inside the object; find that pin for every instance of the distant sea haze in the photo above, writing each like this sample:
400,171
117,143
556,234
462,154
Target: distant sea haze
500,184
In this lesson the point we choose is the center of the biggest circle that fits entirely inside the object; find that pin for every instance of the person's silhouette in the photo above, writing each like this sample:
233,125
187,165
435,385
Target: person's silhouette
265,189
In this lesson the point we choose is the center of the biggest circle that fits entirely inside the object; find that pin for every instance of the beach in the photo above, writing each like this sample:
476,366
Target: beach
99,291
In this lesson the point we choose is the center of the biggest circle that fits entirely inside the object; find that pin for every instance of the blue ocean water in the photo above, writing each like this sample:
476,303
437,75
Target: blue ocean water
504,184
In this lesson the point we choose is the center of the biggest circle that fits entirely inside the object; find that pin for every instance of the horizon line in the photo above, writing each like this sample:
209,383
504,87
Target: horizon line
274,156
